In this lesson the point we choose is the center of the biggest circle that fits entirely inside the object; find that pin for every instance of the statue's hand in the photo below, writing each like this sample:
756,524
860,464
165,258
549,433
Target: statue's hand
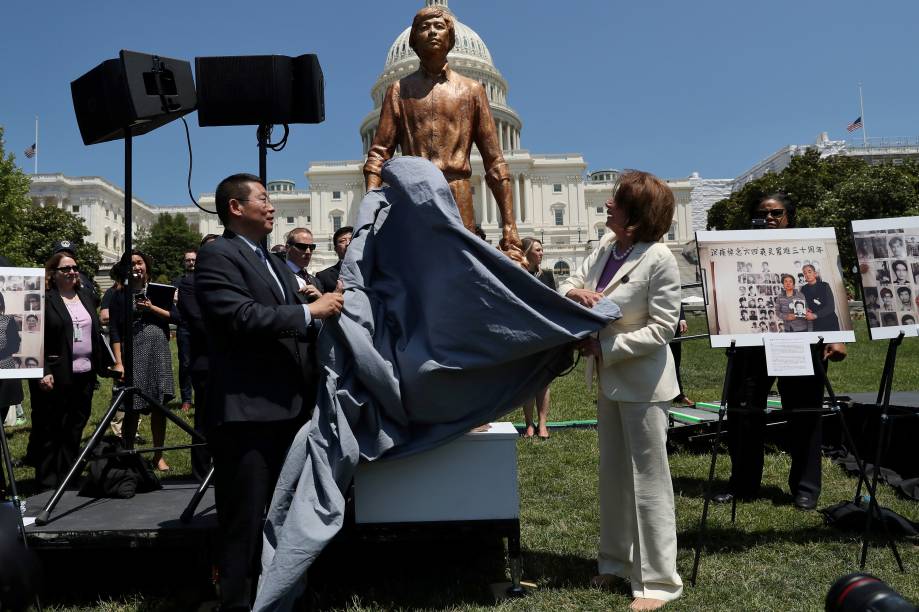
515,253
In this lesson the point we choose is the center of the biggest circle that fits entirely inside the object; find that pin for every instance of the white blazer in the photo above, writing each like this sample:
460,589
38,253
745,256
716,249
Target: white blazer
636,364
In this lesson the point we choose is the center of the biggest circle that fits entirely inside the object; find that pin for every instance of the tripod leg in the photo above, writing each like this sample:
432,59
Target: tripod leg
874,508
189,511
708,499
728,370
196,435
77,467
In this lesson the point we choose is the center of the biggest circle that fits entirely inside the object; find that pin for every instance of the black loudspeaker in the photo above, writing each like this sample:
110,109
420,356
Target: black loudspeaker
136,92
259,90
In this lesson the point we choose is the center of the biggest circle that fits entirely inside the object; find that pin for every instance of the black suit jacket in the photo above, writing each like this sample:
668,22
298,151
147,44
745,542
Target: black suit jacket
190,313
328,278
59,337
261,364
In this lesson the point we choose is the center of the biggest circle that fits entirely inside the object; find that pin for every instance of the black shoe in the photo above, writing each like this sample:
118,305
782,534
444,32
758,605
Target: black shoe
723,498
805,501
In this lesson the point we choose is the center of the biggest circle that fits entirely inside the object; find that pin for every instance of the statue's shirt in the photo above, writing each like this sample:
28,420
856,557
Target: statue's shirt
438,117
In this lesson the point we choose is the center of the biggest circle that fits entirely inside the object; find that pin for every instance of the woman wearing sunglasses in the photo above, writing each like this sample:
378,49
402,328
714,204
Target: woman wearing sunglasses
74,355
802,396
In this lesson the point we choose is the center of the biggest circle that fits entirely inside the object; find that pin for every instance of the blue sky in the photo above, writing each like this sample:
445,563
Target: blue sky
670,87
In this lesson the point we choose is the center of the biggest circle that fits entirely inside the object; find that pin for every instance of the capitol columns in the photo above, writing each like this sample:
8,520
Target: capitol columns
527,194
518,205
484,191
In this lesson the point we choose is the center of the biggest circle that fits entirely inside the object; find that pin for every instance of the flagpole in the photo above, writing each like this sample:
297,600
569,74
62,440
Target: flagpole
36,145
861,108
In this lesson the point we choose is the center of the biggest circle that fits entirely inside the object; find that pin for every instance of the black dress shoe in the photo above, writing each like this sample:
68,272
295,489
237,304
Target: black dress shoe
723,498
804,501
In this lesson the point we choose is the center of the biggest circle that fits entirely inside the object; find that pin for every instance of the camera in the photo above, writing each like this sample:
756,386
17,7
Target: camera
758,223
857,592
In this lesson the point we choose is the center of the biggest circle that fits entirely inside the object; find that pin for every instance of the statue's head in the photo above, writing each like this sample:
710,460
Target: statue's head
424,20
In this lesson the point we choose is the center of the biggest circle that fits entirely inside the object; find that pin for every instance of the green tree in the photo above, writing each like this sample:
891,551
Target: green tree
832,191
166,241
41,227
27,232
14,204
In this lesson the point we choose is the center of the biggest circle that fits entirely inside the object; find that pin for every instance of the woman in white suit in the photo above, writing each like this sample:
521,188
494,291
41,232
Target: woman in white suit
637,380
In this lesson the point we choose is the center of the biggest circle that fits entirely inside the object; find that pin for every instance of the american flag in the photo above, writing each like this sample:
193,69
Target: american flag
851,127
30,152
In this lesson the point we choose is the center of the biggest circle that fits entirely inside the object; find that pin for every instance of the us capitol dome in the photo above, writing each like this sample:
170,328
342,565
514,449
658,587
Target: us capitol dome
469,57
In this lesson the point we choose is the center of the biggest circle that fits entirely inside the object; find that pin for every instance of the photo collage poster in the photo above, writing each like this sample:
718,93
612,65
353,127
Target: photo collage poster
760,282
22,308
888,261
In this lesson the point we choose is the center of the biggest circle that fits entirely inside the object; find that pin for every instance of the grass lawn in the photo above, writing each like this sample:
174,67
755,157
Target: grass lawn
774,558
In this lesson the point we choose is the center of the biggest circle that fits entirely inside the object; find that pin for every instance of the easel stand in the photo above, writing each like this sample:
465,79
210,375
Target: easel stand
834,408
716,442
883,403
7,458
125,394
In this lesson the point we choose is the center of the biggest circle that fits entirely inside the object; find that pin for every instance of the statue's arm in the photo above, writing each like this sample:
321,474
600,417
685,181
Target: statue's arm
384,141
496,173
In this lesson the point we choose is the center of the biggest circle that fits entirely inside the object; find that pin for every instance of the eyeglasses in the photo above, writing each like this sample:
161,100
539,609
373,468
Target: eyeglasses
775,213
66,269
261,200
303,246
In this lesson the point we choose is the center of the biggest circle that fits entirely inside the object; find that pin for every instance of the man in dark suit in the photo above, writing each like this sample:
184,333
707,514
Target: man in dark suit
300,247
197,361
262,381
328,278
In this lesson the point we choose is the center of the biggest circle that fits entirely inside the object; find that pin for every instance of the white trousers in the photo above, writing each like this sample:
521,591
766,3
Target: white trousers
637,516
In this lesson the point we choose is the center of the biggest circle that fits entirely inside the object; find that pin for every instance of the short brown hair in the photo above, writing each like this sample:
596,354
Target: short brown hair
51,267
648,203
429,12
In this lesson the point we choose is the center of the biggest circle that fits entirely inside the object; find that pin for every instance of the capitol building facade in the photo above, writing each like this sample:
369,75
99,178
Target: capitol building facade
555,198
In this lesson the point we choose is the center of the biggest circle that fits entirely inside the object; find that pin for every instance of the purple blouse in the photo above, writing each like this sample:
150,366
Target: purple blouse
82,336
612,266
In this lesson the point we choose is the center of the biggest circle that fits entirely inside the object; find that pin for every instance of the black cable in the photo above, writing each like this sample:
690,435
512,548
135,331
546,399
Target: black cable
278,146
190,162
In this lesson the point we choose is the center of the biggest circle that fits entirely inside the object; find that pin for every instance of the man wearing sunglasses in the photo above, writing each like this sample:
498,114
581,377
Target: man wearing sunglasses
300,247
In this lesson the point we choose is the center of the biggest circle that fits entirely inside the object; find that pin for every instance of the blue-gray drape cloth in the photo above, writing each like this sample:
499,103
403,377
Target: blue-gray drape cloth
440,332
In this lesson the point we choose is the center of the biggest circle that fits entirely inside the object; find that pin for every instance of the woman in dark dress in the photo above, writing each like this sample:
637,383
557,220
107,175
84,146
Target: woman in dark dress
74,354
152,371
532,250
821,305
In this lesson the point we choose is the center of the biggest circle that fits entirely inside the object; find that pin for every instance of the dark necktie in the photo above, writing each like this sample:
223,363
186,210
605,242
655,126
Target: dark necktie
305,276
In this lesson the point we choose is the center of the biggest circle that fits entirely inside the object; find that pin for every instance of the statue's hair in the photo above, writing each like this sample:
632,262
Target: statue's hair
429,12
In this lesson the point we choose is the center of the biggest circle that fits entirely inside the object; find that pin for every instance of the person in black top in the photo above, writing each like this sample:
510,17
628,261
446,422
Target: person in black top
533,251
821,305
328,278
190,313
106,302
182,335
73,354
152,357
802,397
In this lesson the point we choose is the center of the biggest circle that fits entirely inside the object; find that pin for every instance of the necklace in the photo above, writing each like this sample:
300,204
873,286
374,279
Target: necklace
617,256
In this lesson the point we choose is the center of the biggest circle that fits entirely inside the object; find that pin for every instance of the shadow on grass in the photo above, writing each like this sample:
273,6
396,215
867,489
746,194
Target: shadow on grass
691,486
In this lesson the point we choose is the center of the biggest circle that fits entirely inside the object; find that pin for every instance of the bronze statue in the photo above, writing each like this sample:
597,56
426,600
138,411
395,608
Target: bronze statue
438,114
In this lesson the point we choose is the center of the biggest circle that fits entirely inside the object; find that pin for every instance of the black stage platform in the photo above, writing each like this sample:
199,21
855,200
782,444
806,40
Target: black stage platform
147,519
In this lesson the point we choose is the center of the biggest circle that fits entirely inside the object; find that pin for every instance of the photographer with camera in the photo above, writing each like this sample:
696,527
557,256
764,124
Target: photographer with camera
152,357
802,397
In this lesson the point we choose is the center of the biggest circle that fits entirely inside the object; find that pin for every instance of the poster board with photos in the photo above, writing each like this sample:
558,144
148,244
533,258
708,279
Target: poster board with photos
744,276
22,321
888,264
